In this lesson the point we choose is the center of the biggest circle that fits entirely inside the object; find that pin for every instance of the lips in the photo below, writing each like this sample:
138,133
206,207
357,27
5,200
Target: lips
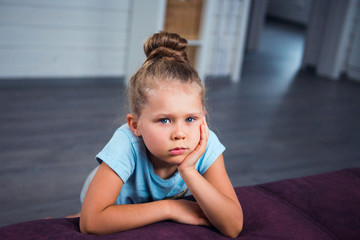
177,151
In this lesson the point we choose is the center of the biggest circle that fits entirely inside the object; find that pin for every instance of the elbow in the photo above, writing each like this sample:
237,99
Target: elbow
94,226
84,230
233,233
84,226
233,230
88,226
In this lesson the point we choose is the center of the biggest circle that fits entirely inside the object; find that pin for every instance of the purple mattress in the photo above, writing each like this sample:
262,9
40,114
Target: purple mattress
325,206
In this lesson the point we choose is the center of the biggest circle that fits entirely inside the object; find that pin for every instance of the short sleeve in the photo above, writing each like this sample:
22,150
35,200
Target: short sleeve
214,149
119,154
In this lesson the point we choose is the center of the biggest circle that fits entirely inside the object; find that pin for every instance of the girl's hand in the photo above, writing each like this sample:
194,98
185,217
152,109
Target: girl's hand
188,212
190,160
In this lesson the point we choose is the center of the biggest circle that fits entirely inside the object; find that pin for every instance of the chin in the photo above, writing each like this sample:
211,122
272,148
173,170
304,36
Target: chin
176,159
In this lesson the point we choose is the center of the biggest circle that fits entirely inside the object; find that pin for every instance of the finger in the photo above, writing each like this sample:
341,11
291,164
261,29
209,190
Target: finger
204,134
203,137
204,222
206,127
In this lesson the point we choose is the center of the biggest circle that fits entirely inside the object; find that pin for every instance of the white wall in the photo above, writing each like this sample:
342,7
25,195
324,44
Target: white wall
63,38
146,18
225,41
96,38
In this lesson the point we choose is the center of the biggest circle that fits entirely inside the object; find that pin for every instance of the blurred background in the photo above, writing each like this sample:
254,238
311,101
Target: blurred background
282,77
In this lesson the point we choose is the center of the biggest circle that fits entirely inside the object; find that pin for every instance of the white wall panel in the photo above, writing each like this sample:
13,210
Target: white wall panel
112,5
66,38
228,34
147,17
62,17
60,62
60,37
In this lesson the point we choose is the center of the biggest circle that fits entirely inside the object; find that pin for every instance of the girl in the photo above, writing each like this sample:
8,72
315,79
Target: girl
164,150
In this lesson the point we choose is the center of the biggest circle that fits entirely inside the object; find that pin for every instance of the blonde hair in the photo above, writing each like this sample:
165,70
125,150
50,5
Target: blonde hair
166,61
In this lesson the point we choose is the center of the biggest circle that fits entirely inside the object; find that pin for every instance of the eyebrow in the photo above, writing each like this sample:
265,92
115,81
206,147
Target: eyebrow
171,114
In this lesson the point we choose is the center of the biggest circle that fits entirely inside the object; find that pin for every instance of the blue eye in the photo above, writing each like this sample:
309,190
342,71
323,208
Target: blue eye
190,119
164,120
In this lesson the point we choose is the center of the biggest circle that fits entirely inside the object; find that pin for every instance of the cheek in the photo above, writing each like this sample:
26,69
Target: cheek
195,135
154,139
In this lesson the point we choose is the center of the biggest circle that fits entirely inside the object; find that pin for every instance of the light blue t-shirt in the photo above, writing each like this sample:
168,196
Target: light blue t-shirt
126,154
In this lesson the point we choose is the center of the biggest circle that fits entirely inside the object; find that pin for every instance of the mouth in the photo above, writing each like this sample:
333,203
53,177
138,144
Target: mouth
177,151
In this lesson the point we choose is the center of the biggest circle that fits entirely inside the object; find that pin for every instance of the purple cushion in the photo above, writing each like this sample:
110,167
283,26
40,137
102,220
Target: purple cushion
324,206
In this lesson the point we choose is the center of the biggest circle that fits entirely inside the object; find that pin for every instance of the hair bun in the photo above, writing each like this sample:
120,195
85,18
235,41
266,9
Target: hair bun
164,44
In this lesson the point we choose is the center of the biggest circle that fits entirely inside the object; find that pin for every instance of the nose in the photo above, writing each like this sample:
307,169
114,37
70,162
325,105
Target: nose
178,133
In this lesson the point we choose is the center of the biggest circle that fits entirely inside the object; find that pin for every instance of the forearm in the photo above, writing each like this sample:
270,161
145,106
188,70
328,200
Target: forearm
116,218
221,211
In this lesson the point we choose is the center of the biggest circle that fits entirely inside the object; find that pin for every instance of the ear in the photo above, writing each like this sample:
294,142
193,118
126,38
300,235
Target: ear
133,121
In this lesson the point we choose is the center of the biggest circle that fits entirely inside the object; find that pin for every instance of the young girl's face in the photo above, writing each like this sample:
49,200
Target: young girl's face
170,122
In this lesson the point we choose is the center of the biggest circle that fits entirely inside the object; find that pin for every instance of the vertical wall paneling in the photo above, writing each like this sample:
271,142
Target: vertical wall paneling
147,17
204,53
229,34
240,36
63,38
218,36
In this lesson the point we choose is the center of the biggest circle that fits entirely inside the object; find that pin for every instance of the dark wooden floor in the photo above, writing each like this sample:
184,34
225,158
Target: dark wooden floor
277,123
